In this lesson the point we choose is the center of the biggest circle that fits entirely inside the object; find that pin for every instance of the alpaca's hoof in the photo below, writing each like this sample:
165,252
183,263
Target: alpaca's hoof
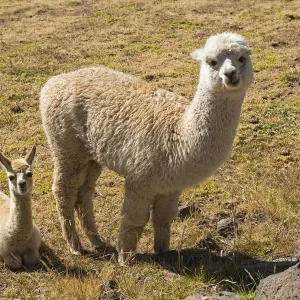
76,252
125,258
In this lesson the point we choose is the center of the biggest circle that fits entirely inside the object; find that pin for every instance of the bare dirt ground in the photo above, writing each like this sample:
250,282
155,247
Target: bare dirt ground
258,187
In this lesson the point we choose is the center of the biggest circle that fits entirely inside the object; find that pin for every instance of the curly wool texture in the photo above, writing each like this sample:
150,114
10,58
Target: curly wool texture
20,238
160,141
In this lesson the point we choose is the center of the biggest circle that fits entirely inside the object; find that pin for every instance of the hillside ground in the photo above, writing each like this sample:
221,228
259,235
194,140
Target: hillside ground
258,187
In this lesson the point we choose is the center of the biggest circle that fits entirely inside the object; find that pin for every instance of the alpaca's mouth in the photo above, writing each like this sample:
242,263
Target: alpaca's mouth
22,190
231,83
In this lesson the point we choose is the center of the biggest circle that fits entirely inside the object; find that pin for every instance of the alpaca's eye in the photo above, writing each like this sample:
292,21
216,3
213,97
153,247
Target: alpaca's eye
29,174
242,59
212,63
11,177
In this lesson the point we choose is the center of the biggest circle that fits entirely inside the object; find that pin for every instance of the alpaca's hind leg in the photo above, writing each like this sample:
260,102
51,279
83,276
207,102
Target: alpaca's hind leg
66,182
135,215
84,205
13,261
165,209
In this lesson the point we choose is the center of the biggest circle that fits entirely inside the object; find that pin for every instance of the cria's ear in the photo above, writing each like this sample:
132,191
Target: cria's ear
5,162
30,156
197,54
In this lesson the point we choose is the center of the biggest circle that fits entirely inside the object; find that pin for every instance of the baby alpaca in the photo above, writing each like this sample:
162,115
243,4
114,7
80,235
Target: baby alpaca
20,238
160,141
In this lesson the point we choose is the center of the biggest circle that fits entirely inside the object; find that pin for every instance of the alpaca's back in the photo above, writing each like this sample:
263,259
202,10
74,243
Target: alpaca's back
119,118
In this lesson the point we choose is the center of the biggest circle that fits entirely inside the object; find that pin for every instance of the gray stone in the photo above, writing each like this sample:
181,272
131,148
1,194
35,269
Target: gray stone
225,227
214,296
284,285
187,210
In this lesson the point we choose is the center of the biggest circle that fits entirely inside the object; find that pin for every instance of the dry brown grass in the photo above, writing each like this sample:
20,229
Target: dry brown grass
258,185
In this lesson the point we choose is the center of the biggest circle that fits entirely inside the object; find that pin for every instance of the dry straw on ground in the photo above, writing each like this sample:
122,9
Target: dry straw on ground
258,186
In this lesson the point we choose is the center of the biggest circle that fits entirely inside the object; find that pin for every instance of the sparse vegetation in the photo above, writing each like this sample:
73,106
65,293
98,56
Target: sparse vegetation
258,186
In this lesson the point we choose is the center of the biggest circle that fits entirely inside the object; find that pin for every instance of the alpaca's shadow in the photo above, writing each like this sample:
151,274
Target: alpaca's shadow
106,252
241,269
49,261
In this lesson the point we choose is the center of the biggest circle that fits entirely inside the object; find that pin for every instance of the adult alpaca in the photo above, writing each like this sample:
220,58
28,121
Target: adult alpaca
98,117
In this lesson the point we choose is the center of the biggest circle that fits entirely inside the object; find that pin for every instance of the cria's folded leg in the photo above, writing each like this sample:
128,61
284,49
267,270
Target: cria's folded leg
84,205
165,209
68,177
31,257
135,215
13,261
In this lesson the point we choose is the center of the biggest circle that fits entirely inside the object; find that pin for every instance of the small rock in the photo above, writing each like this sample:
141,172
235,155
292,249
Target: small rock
284,285
225,227
187,210
213,296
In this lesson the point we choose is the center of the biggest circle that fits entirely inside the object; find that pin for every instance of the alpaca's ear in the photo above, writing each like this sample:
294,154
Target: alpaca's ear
197,54
30,156
5,162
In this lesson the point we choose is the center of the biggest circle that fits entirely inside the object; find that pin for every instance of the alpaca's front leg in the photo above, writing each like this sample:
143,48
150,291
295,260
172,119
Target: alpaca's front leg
165,209
135,215
66,196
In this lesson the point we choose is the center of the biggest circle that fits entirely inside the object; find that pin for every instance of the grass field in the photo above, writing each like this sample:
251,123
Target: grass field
258,186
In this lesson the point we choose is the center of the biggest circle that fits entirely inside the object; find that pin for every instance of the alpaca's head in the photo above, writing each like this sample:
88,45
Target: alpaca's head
19,172
225,63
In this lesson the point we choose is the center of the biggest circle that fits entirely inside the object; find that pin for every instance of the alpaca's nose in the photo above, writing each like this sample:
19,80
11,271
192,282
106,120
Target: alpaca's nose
231,74
22,184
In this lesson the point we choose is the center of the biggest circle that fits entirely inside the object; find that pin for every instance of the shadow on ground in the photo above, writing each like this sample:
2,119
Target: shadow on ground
49,261
230,271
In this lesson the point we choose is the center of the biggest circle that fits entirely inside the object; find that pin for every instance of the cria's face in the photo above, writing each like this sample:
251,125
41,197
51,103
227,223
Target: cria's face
21,180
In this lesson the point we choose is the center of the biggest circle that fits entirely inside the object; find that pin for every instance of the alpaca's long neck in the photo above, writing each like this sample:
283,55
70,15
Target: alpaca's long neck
210,112
209,126
20,218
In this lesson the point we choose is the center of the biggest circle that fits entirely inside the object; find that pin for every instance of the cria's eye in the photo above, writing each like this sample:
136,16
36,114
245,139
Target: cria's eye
212,63
242,59
11,177
29,174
